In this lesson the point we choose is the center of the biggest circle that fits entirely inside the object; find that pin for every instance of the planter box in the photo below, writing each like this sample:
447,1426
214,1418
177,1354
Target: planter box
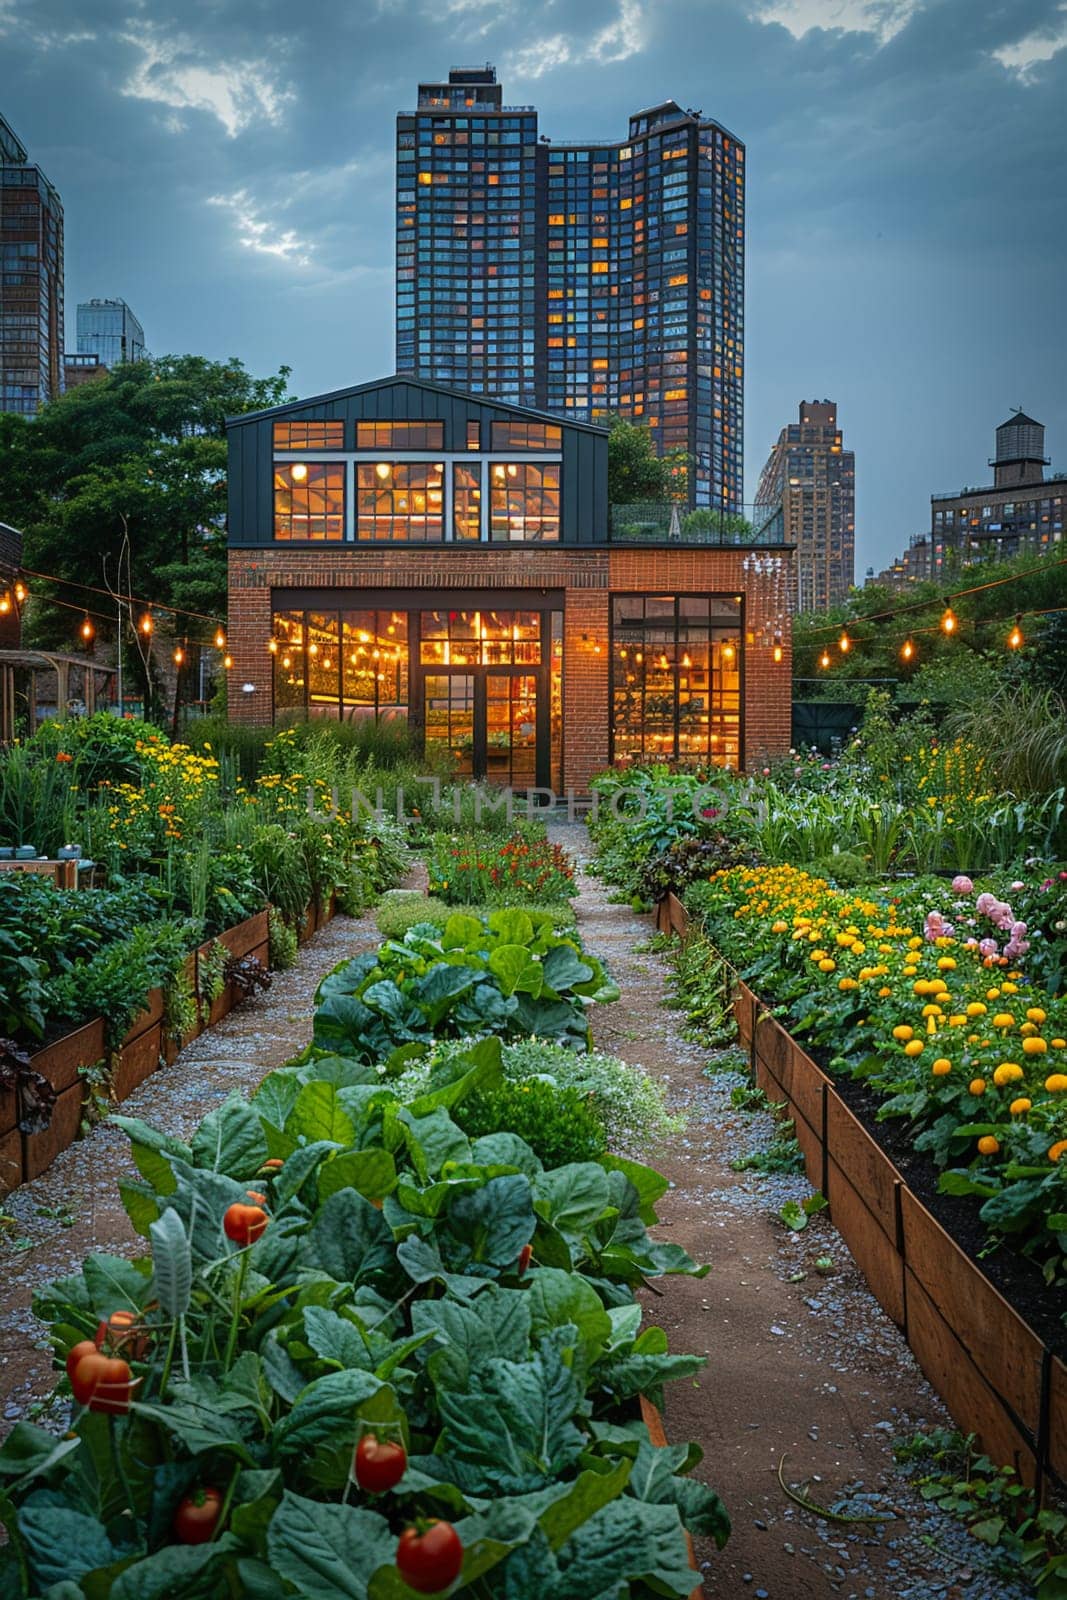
1055,1436
141,1050
59,1061
307,927
150,1017
39,1150
10,1160
247,935
656,1433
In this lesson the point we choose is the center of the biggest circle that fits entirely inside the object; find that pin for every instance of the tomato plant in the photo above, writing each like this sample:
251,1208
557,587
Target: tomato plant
379,1464
197,1516
244,1224
103,1383
429,1556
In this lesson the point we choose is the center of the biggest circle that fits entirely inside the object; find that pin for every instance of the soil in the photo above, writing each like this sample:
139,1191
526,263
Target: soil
800,1364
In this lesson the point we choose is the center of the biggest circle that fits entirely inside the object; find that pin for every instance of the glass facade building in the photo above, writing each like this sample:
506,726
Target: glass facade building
582,279
109,330
809,481
31,282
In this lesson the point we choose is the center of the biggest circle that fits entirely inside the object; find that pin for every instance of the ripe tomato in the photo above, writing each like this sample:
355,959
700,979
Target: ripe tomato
122,1333
429,1559
244,1224
84,1347
379,1463
525,1257
196,1517
103,1383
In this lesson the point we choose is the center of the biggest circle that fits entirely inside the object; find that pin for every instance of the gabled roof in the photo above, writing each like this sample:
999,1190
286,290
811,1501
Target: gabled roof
334,395
1020,418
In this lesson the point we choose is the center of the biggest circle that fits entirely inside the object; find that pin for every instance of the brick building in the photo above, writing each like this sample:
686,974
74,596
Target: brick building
400,550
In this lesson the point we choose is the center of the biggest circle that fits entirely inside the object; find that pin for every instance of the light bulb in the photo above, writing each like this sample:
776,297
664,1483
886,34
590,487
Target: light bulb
777,652
220,640
87,630
383,469
949,621
298,472
1015,637
179,656
227,662
5,604
146,624
824,659
272,646
20,591
907,650
844,644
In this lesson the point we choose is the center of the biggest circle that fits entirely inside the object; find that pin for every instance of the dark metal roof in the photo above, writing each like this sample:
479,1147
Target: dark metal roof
292,406
1020,418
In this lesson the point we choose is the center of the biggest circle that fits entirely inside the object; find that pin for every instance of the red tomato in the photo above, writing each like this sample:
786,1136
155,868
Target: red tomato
84,1347
103,1383
196,1517
244,1224
431,1558
379,1463
525,1257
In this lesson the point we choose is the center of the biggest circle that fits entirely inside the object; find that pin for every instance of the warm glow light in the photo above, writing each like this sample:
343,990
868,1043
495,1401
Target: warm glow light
383,469
146,624
220,640
298,472
686,661
272,646
313,649
1015,637
777,652
87,631
824,659
907,649
286,661
844,644
949,621
227,662
20,591
179,656
5,604
728,652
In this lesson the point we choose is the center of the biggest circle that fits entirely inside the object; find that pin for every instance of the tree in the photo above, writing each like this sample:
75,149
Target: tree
141,451
635,472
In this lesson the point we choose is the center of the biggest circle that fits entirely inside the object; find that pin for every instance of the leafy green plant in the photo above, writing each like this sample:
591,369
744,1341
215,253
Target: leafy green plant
283,941
796,1214
559,1124
468,869
403,909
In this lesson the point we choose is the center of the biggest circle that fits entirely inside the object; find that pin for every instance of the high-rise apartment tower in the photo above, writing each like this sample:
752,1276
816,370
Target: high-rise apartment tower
31,281
583,279
811,478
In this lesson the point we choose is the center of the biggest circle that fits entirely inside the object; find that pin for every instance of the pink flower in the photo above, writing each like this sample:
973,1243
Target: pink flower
985,903
961,884
1018,930
766,772
988,947
1018,884
970,944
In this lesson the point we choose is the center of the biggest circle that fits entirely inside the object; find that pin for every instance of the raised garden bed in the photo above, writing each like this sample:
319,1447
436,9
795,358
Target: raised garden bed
996,1374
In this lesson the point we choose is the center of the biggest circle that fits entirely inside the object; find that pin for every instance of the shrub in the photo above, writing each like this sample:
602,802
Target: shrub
629,1104
559,1125
283,941
403,909
466,870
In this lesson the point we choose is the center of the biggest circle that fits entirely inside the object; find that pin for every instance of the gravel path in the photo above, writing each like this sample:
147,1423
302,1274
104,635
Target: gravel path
74,1208
798,1362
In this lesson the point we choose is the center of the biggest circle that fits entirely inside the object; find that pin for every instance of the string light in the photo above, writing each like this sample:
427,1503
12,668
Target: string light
227,662
728,652
949,621
20,591
824,659
778,652
146,624
87,631
907,650
844,644
272,646
1015,637
179,656
220,640
5,604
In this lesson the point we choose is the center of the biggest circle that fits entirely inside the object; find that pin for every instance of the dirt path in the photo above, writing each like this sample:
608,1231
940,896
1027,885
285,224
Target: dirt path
74,1207
798,1362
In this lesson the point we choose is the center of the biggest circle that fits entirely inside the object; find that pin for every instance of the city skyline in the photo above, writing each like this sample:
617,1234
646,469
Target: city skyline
234,181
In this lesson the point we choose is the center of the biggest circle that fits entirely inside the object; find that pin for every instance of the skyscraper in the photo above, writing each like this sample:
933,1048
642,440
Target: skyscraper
585,279
109,330
31,281
811,479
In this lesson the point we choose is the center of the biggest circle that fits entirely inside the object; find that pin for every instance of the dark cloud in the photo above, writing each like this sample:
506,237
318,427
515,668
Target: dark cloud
228,168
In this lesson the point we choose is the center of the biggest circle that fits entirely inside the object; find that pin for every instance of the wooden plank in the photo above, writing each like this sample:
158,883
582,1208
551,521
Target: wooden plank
39,1150
962,1385
873,1250
863,1163
995,1338
811,1147
246,935
60,1060
137,1061
149,1018
10,1160
1057,1420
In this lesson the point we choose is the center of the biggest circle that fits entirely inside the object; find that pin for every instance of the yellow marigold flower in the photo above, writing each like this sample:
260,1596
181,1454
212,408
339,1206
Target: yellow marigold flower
1009,988
1027,1029
941,1066
1034,1046
1056,1150
1056,1083
909,972
1007,1072
858,947
884,991
903,1032
1036,1014
976,1009
1059,1044
779,926
977,1086
992,994
1003,1019
915,943
817,955
987,1145
947,963
848,983
1017,1107
827,965
932,1010
914,1047
921,986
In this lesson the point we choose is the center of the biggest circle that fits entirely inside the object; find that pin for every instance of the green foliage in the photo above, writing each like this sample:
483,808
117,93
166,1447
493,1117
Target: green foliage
635,471
558,1123
114,982
783,1153
400,910
467,869
283,941
995,1507
702,982
1029,753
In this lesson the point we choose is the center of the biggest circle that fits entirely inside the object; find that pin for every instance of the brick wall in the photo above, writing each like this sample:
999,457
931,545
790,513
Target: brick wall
587,577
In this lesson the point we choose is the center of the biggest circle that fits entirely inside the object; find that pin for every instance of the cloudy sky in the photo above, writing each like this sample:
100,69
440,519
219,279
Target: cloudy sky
227,167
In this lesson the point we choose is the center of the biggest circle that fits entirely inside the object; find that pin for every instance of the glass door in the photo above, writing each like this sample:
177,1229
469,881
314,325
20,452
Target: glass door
449,712
511,705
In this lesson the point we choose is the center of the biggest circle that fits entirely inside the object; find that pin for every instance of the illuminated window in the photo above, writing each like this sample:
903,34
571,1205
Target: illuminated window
400,435
474,436
675,677
523,502
309,436
400,500
526,436
466,502
309,500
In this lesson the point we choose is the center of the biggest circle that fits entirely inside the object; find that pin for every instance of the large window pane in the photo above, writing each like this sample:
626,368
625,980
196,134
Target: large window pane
526,436
309,500
400,435
524,502
676,678
323,664
309,435
400,500
375,665
466,502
